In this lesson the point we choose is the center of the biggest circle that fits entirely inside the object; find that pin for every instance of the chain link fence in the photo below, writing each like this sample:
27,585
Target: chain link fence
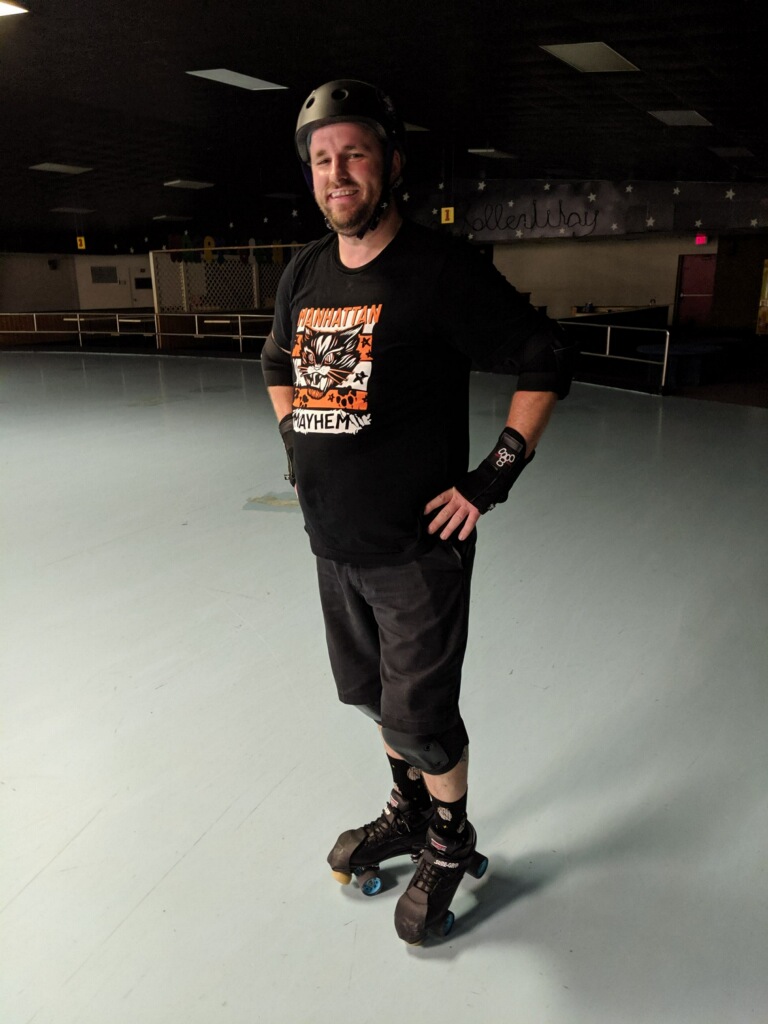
216,280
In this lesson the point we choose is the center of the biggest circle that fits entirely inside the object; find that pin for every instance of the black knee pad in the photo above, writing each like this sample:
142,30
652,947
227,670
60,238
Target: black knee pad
435,754
371,710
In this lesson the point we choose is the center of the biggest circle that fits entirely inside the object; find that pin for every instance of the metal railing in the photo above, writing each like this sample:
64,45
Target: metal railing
610,334
168,328
165,328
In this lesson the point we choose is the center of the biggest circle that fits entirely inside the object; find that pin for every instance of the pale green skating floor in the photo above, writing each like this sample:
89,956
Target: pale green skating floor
175,766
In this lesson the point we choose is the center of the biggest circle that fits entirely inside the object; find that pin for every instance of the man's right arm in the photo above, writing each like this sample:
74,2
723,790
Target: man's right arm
277,369
281,396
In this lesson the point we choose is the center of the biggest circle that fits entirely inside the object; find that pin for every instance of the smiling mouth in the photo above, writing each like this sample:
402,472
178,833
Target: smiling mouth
342,193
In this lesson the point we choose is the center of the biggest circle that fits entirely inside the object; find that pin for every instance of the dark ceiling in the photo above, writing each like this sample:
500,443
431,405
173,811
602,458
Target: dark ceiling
102,84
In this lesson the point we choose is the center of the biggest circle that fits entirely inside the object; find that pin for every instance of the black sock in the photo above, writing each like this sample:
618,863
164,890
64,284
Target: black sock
449,818
409,783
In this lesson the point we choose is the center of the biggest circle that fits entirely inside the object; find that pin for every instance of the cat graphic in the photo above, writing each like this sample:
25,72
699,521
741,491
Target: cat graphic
327,358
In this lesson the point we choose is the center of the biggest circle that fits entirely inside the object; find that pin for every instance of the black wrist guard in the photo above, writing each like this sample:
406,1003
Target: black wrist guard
491,482
286,432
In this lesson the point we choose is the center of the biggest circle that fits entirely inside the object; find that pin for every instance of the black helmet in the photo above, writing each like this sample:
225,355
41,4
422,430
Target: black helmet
349,100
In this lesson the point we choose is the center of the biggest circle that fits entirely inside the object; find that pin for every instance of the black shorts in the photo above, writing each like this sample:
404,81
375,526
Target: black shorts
397,634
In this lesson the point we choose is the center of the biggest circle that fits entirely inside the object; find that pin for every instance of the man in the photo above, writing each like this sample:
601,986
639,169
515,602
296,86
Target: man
376,328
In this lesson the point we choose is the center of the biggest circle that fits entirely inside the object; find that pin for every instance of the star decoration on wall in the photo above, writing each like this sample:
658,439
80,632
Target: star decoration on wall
518,233
470,237
592,197
753,223
511,202
266,220
698,223
614,227
730,194
435,212
441,186
480,186
562,231
630,188
406,197
547,187
676,191
294,213
650,221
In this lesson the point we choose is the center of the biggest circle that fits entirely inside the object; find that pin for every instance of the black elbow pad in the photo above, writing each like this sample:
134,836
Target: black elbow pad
275,363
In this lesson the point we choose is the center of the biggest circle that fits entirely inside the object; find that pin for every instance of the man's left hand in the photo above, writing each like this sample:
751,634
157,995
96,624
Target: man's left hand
456,512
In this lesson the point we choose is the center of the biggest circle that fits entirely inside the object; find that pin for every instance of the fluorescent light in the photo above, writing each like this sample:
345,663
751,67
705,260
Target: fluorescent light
183,183
6,9
170,216
235,78
679,118
731,152
60,168
591,57
491,153
70,209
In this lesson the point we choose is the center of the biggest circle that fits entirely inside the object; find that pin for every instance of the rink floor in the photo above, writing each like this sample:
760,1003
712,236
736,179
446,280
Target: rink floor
175,766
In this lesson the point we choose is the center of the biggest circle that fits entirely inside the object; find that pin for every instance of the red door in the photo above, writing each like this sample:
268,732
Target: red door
696,286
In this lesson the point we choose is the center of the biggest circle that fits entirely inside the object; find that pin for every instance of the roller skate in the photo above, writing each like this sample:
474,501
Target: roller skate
423,907
400,829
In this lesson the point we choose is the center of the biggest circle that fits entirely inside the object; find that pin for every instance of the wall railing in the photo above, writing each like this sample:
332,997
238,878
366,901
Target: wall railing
167,329
189,330
613,340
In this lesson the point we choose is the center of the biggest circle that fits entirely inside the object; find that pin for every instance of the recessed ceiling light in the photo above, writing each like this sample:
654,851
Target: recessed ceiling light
235,78
183,183
170,216
7,8
679,118
71,209
730,152
60,168
592,57
491,153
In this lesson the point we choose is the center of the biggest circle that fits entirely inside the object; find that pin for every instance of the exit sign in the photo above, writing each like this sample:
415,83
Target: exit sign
701,239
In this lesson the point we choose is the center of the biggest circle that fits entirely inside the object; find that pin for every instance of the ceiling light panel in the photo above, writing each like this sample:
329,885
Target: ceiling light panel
60,168
681,118
235,78
71,209
492,154
6,9
184,183
590,57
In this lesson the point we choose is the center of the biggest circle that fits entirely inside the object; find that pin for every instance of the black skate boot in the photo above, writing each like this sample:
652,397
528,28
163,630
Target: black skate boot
400,829
423,907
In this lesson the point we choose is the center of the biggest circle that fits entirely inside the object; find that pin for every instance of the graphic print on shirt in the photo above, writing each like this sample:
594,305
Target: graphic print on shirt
332,365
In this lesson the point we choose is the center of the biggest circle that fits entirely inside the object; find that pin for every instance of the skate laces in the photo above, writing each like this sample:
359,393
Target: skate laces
436,864
391,820
430,873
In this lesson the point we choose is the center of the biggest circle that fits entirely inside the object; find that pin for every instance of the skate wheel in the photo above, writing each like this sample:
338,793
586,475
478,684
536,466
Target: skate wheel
368,879
342,877
371,886
446,924
478,866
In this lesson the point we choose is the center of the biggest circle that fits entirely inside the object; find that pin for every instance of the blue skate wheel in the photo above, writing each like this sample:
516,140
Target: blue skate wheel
371,886
480,868
445,927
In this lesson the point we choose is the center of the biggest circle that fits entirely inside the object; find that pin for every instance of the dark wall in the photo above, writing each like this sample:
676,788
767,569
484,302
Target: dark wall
739,275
